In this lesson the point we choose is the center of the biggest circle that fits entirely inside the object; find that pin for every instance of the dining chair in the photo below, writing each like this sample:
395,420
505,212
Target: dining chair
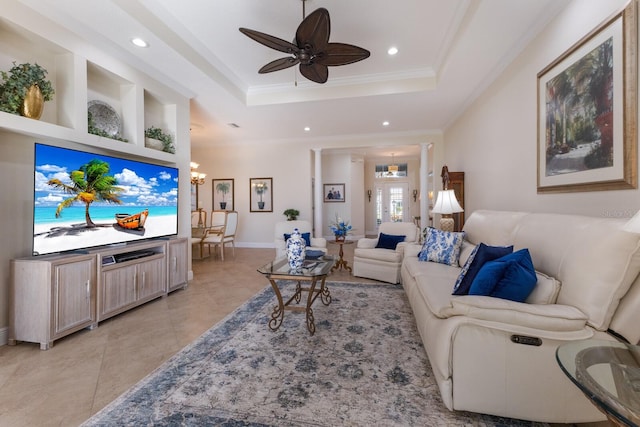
198,227
219,236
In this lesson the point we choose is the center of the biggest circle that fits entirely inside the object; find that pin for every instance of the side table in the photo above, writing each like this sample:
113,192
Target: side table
608,373
341,263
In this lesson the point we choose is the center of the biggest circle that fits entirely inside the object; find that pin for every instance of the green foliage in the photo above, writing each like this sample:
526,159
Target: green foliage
167,141
97,131
17,81
223,187
89,183
291,214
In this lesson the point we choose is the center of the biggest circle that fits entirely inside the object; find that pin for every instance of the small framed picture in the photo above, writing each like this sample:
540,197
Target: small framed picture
333,192
261,194
223,194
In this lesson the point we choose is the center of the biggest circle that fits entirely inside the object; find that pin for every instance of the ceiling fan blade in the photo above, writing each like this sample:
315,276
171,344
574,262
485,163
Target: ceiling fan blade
270,41
279,64
313,32
315,72
341,54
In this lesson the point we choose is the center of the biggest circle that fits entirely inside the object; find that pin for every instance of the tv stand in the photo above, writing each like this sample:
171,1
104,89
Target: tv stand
54,296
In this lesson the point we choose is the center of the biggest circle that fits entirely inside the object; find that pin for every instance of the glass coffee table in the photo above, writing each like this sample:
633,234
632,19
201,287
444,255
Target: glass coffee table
312,271
608,373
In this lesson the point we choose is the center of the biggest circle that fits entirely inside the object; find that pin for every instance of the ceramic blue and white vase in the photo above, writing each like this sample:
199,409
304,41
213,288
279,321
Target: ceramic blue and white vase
296,249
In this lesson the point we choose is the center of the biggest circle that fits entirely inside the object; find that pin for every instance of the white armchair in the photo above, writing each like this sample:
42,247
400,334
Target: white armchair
380,263
282,227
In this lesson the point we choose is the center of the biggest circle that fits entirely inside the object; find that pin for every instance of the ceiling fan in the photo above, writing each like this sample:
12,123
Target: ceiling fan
311,48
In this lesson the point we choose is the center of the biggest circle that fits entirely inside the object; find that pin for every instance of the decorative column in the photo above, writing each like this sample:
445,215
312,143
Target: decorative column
424,185
317,194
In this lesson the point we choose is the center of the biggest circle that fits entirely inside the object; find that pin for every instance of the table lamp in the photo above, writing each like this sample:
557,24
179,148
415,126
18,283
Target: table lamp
447,204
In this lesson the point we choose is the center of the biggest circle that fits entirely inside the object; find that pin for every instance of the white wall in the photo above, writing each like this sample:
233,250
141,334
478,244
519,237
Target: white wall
290,166
494,141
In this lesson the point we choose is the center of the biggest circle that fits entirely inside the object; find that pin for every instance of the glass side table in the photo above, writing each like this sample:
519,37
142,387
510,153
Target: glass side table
608,373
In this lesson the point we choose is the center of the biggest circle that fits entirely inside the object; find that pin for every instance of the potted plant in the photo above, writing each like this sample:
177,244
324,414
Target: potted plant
165,139
291,214
24,90
223,187
340,229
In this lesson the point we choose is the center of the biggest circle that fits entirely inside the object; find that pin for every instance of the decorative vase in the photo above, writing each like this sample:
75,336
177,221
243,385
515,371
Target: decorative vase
260,205
296,250
223,205
340,238
156,144
33,103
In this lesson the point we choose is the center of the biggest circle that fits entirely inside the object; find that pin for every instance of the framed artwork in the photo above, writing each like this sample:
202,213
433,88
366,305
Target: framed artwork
223,194
333,192
260,194
587,111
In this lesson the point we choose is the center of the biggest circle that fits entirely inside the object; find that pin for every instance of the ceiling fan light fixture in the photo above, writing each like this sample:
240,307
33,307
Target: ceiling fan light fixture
311,48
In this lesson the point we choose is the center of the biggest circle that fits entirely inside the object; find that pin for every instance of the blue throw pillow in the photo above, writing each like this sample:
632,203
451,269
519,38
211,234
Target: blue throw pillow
388,241
305,236
483,254
442,246
511,277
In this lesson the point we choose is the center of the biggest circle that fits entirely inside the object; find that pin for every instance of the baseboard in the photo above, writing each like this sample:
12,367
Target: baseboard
4,336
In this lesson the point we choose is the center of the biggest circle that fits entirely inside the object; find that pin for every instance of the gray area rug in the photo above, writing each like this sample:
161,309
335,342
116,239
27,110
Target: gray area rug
365,366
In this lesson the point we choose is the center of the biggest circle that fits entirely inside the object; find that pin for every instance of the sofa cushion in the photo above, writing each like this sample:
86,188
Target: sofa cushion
549,317
545,291
442,246
388,255
510,277
465,252
389,241
434,286
482,255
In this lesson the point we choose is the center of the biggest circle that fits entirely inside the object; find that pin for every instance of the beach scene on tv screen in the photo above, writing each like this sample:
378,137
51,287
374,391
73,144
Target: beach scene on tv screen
84,200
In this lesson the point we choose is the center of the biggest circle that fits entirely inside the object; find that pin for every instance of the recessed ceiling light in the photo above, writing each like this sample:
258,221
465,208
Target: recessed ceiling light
139,42
385,123
307,129
392,50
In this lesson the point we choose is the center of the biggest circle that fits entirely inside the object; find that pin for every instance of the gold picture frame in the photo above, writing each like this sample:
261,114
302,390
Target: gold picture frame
587,111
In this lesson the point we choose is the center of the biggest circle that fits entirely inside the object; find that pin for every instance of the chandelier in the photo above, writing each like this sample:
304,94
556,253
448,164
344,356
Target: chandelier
197,178
392,168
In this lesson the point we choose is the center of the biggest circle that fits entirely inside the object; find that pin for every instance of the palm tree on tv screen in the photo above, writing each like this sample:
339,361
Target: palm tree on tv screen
89,183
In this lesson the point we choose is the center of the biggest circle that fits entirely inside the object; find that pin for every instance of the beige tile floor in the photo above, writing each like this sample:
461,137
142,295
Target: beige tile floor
82,373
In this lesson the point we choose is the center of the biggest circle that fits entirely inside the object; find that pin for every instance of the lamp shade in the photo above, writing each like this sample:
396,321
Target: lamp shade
633,225
446,203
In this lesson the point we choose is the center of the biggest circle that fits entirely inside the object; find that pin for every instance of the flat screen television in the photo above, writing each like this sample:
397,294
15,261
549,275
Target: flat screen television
84,200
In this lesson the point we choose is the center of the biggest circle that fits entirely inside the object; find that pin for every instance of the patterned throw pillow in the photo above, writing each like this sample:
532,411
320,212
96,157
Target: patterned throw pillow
465,269
441,246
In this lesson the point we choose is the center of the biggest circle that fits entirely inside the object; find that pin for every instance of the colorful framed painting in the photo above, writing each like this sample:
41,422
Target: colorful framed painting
333,192
223,194
261,194
587,111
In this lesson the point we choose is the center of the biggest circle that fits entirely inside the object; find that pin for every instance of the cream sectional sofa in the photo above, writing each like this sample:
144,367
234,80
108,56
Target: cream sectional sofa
588,287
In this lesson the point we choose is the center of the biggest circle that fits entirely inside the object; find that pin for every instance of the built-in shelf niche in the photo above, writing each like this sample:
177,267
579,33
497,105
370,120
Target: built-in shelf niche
22,46
119,93
160,113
